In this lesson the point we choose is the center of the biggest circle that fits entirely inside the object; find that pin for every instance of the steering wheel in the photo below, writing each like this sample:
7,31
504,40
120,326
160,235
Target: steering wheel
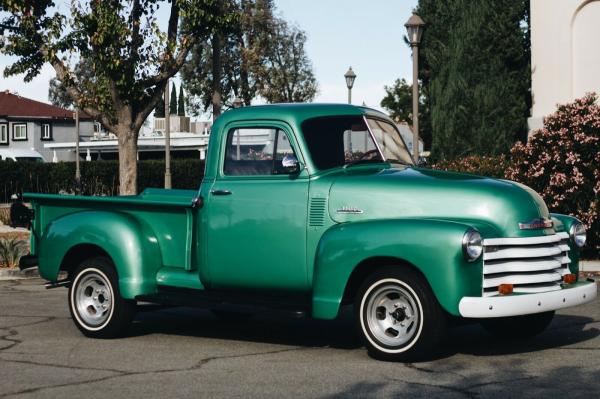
368,153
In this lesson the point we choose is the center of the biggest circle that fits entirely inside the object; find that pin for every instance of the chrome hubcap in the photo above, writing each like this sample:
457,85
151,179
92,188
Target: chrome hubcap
392,315
94,299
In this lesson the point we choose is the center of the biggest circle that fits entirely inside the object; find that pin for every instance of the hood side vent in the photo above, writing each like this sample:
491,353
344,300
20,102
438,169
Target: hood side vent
316,213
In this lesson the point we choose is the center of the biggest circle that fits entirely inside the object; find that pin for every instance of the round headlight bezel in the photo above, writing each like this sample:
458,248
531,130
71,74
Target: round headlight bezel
472,245
578,234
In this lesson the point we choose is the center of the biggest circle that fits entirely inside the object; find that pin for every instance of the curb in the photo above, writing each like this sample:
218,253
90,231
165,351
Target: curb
589,266
17,274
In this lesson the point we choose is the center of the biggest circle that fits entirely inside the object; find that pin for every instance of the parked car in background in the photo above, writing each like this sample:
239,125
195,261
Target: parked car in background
21,155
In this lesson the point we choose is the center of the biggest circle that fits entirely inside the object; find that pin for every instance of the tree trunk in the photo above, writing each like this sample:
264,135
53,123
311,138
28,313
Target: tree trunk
216,75
127,159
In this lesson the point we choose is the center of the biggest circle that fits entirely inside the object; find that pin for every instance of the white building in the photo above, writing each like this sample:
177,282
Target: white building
565,53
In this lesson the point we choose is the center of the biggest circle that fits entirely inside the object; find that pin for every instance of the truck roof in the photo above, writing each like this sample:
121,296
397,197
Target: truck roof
295,112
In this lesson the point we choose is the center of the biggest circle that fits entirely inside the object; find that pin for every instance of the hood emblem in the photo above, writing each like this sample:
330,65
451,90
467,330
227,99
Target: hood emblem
538,223
349,209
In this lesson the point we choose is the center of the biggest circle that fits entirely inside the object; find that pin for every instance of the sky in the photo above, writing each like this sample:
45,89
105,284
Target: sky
341,33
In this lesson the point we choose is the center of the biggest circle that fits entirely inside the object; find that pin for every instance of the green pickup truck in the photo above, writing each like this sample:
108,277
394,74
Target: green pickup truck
305,208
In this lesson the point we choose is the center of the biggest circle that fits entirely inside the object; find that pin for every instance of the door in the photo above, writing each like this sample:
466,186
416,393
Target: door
257,212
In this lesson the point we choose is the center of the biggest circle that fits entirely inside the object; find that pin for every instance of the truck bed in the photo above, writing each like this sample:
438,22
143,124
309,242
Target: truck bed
164,216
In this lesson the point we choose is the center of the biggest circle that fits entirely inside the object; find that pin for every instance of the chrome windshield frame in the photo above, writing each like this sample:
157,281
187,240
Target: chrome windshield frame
366,120
373,138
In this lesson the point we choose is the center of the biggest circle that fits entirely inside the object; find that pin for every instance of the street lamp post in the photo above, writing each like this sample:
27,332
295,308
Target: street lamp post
414,28
350,77
168,184
77,167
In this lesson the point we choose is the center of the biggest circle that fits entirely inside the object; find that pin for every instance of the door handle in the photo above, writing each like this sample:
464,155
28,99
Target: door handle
221,192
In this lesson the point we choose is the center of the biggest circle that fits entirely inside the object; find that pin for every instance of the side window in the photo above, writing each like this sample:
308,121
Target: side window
256,152
3,133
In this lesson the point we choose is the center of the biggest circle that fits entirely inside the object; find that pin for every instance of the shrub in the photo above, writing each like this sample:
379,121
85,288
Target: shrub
562,163
493,166
97,177
11,250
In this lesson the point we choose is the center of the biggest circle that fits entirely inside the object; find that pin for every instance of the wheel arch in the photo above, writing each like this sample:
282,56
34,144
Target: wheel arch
370,266
347,252
79,253
131,246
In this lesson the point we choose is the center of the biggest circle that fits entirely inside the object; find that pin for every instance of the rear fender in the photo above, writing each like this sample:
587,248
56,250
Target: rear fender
434,247
132,246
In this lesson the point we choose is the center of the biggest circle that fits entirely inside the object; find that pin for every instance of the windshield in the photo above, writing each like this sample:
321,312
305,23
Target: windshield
346,140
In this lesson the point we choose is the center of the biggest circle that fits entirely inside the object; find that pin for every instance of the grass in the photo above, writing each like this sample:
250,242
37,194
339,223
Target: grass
11,250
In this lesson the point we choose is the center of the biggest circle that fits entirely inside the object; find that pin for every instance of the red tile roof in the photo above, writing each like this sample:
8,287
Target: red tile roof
12,105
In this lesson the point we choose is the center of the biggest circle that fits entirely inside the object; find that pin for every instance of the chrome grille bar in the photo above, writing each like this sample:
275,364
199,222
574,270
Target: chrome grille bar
530,264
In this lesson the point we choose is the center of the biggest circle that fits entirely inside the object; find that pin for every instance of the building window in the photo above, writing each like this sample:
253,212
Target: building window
19,132
3,133
46,131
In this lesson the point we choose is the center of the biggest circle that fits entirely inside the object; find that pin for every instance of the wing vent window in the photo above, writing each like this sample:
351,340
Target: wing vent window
316,214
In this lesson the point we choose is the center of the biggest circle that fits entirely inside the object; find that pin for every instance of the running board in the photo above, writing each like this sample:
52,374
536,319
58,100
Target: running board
226,301
57,284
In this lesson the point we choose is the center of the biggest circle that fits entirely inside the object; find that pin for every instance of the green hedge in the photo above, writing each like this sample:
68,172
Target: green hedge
97,177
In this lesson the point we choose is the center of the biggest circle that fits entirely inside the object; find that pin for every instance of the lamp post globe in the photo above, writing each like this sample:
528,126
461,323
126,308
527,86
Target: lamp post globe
350,76
414,28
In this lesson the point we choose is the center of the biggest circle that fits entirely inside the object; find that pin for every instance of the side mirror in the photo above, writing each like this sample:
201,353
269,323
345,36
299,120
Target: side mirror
20,215
290,164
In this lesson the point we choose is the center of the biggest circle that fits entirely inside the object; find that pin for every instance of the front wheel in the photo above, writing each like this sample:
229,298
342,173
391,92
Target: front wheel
95,302
398,315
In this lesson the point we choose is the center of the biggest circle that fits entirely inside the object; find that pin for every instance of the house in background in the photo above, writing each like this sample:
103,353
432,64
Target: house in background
565,53
29,124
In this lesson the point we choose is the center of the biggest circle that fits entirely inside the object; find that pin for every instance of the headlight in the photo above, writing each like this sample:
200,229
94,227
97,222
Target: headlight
577,234
472,245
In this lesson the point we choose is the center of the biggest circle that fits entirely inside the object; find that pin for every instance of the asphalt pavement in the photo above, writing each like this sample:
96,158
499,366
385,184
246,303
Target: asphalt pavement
184,352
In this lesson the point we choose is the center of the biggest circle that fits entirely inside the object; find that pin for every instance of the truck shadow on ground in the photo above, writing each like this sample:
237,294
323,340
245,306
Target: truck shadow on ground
565,331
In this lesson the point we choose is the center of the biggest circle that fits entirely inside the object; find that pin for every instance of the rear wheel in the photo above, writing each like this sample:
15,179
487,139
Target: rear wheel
398,315
95,302
518,327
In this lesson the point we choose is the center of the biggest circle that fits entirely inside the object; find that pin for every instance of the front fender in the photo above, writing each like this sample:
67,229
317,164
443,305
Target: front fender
434,247
132,247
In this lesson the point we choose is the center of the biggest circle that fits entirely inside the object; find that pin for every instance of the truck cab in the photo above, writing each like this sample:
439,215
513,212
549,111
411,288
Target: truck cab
305,208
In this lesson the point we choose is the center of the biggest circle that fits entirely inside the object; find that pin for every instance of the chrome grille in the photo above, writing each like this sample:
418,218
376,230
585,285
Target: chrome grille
531,264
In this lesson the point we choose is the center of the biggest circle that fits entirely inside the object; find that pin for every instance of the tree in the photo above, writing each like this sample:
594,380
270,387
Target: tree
476,74
129,57
398,102
181,102
173,100
288,76
237,62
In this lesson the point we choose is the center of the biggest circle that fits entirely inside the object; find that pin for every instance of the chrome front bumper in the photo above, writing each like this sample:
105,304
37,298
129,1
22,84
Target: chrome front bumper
522,304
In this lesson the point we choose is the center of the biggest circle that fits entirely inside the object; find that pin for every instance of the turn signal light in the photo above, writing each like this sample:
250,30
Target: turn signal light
505,289
569,278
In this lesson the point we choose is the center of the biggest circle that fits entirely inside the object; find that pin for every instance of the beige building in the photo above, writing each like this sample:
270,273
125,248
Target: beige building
565,53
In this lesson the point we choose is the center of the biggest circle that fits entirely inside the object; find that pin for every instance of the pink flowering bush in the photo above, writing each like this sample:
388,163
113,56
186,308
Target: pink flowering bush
562,163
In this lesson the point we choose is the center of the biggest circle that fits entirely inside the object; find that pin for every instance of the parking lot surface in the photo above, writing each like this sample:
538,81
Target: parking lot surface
184,352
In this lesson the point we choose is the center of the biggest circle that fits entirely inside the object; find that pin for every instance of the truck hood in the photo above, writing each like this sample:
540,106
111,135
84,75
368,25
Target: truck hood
495,206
